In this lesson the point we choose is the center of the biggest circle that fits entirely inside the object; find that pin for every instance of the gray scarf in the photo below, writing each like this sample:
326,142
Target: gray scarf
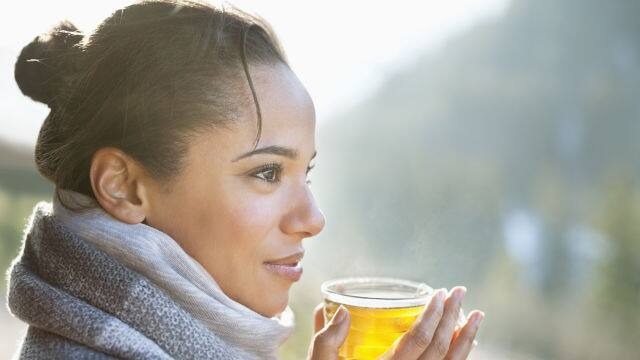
88,284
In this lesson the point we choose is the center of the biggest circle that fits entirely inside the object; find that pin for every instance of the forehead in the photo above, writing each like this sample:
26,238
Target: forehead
288,116
285,105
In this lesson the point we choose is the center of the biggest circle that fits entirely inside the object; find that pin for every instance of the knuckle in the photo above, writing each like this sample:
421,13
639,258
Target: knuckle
467,335
323,339
420,338
458,307
466,338
451,314
453,306
440,346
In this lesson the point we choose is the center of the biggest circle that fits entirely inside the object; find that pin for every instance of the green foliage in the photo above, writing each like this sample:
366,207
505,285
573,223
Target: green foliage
618,283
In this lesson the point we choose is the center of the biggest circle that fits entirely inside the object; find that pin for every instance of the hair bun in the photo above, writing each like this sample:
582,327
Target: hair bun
45,63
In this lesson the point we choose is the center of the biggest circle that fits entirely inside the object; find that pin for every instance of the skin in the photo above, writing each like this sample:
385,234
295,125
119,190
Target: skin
433,335
228,213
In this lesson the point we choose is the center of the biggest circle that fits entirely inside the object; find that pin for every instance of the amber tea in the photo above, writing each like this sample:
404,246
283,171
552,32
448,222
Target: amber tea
381,310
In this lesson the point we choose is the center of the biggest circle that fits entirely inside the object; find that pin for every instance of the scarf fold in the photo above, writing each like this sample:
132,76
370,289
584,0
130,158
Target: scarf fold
130,291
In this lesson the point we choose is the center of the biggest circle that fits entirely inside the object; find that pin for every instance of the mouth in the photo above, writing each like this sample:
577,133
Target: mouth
288,260
289,267
292,272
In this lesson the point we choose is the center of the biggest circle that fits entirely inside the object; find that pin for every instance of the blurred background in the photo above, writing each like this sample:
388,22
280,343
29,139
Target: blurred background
492,144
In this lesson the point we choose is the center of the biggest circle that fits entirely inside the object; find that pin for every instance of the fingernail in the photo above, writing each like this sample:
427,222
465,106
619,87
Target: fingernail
459,293
440,294
340,315
475,343
478,318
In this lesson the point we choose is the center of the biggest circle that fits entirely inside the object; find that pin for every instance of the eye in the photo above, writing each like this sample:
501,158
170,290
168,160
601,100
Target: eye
269,173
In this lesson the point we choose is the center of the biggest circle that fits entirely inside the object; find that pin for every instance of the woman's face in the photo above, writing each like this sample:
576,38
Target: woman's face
233,209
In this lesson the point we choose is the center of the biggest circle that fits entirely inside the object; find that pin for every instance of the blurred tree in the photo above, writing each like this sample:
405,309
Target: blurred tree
618,282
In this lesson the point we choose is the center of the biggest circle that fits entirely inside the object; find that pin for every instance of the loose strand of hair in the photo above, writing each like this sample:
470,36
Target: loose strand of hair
253,91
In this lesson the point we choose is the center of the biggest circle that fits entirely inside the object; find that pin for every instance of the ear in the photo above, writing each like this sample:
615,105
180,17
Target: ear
119,184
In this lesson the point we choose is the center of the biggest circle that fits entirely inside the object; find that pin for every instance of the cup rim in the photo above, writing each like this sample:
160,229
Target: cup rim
423,292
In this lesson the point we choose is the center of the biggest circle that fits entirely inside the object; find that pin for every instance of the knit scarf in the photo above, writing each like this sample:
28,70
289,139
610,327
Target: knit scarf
92,259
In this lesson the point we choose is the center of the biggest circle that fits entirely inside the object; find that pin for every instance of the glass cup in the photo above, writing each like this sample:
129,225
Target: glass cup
381,310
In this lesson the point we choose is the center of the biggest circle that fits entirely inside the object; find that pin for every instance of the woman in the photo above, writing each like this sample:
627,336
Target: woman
179,142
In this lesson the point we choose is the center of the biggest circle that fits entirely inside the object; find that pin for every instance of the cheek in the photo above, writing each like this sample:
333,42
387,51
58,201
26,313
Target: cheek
252,221
231,223
249,228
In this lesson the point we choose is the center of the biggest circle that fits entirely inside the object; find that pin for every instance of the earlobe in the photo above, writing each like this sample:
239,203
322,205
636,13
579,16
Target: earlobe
129,214
116,181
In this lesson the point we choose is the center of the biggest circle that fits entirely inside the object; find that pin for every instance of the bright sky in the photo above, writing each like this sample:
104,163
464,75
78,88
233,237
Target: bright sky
339,49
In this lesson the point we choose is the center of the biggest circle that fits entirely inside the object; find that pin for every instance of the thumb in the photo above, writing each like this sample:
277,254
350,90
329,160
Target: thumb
329,339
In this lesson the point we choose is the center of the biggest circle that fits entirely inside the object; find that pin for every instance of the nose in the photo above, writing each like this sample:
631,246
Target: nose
304,217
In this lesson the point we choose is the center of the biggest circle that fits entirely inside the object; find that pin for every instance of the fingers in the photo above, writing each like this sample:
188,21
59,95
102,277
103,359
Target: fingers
463,343
318,318
417,339
439,346
328,340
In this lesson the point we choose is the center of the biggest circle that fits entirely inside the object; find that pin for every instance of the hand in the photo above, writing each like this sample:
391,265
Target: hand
433,335
328,339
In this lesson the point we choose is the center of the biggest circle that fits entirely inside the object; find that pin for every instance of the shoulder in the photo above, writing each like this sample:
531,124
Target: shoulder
41,344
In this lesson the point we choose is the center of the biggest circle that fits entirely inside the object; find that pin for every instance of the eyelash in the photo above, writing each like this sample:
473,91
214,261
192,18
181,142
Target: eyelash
277,168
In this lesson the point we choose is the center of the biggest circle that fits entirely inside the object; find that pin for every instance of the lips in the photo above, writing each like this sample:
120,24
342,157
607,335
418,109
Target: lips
288,267
291,260
290,272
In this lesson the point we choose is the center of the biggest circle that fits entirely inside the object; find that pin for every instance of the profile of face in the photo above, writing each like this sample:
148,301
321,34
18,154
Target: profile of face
232,208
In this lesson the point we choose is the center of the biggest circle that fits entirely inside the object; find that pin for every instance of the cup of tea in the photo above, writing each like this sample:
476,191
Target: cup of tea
381,309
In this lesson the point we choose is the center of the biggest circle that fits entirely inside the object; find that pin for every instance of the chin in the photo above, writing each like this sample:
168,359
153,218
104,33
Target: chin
276,306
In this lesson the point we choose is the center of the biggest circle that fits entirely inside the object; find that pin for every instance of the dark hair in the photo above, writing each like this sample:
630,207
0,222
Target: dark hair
150,76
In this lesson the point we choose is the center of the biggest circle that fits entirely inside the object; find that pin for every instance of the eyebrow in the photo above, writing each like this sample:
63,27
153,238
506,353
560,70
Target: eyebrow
275,150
